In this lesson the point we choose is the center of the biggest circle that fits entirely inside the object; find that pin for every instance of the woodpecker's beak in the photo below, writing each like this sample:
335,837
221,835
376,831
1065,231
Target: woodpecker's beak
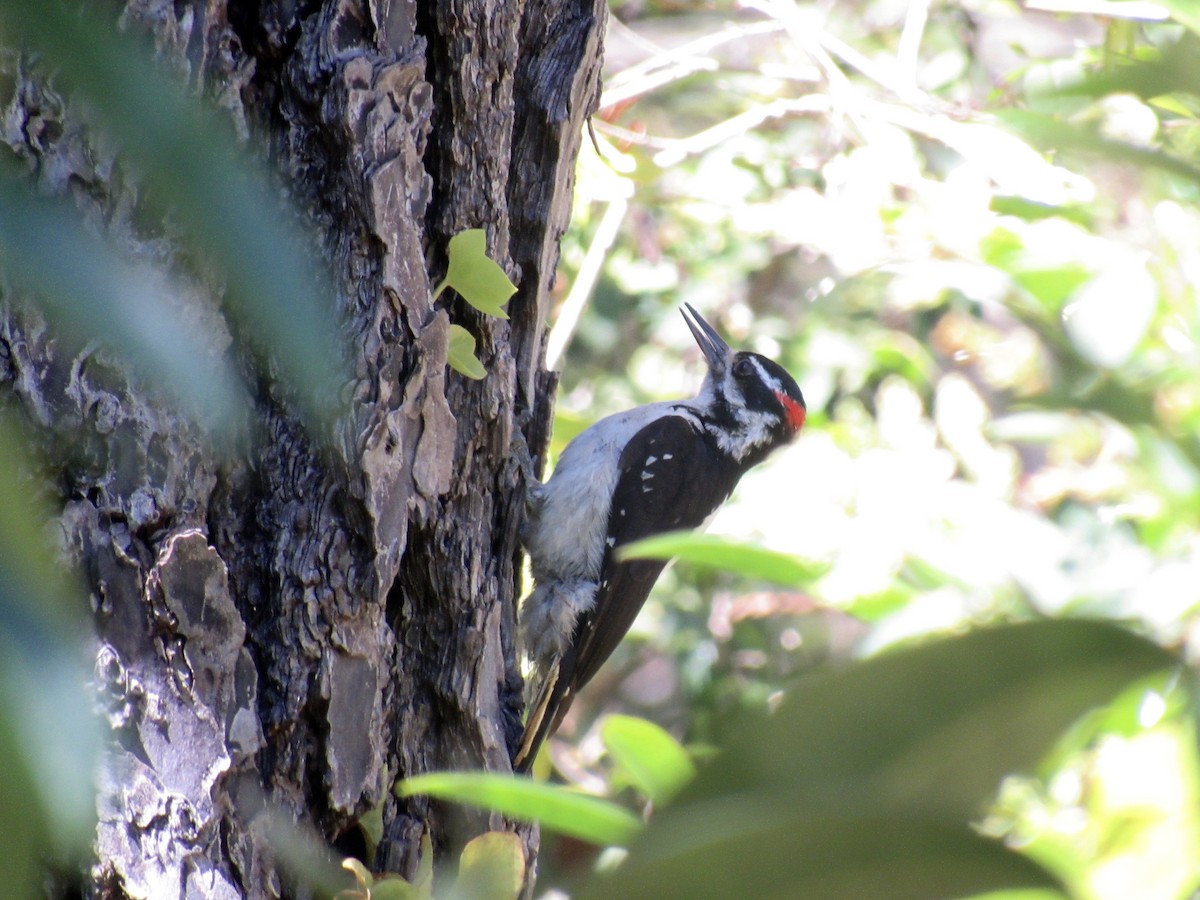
715,350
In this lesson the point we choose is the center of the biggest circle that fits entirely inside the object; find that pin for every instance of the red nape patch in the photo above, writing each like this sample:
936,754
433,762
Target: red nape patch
795,412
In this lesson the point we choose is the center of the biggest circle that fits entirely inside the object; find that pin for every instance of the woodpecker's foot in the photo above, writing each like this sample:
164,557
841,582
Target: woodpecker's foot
523,460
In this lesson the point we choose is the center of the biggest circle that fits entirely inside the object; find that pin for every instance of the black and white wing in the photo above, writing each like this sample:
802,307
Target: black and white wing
670,477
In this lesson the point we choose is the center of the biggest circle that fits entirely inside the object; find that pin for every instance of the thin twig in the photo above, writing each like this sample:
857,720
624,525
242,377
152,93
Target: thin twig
908,51
738,125
585,279
669,65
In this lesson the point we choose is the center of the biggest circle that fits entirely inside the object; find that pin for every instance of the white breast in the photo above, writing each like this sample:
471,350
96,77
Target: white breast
566,540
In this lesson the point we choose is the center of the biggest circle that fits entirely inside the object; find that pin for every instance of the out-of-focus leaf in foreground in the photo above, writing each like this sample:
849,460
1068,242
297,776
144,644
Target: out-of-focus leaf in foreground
839,858
882,766
1048,132
715,552
90,292
647,756
1184,12
48,737
491,867
554,808
279,294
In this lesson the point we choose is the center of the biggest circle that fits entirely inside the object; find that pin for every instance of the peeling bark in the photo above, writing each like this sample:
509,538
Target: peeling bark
292,629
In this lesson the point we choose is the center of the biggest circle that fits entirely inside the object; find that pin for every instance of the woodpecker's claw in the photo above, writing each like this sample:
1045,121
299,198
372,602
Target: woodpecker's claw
522,459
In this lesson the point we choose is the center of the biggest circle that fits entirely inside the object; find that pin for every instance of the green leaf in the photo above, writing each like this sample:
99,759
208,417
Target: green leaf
424,876
384,887
49,737
1053,287
303,857
23,839
1185,12
865,780
371,825
360,872
1032,211
771,854
393,887
491,867
555,808
714,552
652,759
461,355
1175,70
933,728
476,277
1047,131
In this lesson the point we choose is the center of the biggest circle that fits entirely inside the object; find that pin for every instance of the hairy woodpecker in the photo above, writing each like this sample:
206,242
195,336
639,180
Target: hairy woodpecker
656,468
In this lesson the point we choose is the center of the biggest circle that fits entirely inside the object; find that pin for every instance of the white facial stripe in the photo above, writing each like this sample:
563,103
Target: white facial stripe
769,380
755,428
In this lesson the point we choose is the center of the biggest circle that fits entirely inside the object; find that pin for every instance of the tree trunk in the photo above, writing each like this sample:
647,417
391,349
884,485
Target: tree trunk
290,629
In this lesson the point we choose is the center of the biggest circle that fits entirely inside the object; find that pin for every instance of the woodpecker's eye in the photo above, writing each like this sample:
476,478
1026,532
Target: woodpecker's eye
743,368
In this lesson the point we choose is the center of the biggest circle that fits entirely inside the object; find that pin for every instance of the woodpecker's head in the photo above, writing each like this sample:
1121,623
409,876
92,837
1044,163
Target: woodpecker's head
756,406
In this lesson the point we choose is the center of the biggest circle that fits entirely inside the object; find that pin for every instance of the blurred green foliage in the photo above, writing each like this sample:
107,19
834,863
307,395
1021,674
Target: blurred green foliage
970,230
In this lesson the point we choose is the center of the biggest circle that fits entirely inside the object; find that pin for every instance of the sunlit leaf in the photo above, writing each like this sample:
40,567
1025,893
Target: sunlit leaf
714,552
1052,287
461,355
1032,211
871,607
360,872
555,808
655,762
477,278
491,867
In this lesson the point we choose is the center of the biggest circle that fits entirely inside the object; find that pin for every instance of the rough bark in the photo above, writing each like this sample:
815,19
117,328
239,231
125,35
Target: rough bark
291,629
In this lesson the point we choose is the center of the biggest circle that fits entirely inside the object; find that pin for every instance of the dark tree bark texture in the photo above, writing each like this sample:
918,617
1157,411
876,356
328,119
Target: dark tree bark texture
291,630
